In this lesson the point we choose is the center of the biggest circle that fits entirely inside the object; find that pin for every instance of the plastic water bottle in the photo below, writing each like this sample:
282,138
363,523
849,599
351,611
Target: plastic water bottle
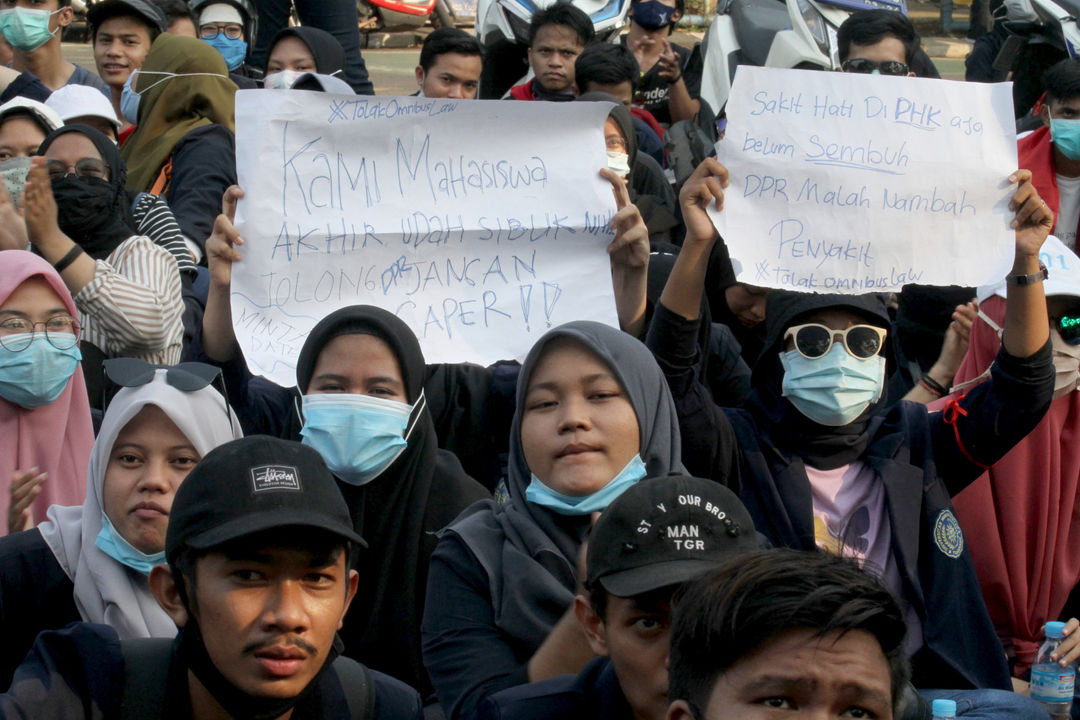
1052,684
943,709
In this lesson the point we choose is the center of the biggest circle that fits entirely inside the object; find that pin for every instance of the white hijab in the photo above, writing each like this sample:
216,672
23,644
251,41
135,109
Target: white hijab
106,591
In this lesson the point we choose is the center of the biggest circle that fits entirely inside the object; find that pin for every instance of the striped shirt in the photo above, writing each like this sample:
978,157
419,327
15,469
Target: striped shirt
132,307
155,220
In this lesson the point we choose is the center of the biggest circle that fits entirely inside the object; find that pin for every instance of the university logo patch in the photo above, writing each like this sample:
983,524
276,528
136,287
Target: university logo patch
948,536
266,478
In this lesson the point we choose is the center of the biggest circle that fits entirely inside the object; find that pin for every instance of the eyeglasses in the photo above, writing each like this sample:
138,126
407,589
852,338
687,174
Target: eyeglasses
186,377
615,143
872,67
87,168
814,340
211,31
1069,329
16,334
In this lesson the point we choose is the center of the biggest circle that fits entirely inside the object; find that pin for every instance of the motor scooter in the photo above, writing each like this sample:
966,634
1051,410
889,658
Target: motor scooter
775,33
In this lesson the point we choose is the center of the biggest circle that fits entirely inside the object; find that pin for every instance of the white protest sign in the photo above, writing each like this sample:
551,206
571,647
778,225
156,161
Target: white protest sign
481,224
862,183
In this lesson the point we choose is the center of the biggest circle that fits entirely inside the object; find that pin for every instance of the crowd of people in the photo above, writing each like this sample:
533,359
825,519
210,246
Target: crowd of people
740,503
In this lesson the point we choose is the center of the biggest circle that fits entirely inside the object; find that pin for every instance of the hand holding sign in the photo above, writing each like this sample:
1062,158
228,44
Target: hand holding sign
629,253
1034,220
221,246
630,248
702,190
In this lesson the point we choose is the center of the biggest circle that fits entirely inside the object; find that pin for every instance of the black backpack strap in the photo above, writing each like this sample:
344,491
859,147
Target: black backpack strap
146,677
359,688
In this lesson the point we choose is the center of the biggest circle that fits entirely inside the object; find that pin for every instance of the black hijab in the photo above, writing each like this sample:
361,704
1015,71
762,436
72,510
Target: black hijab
398,512
819,446
95,214
324,47
528,552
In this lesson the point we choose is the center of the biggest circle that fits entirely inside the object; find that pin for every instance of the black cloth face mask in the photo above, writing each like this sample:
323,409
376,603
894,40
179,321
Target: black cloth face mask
240,705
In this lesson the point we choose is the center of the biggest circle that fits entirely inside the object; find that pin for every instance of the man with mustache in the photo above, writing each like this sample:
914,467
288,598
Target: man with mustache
258,581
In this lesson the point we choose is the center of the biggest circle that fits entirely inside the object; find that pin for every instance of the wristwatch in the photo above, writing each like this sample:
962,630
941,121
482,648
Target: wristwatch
1031,279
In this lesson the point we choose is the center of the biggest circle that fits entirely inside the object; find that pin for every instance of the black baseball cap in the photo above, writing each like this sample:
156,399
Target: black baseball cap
664,531
254,484
145,10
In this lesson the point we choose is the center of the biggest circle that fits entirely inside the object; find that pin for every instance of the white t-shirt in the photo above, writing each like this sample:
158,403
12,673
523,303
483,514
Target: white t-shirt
1068,210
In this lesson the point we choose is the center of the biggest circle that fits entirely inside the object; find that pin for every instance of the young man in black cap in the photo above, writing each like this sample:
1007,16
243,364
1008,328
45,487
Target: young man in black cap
122,32
656,536
258,582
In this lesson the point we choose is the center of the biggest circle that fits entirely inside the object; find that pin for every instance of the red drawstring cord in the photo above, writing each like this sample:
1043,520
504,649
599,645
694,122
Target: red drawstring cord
951,414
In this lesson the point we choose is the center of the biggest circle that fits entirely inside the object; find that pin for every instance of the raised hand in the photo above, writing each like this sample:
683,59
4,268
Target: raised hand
706,185
25,487
1034,220
221,246
630,248
12,225
39,206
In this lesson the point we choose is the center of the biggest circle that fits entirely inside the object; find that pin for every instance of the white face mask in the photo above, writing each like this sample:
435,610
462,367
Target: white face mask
1066,365
618,163
282,80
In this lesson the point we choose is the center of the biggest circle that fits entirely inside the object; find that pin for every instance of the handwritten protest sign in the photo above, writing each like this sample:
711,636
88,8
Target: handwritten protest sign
862,183
475,222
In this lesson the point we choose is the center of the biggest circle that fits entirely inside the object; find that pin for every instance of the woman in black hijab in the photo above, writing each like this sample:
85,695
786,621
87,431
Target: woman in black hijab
649,188
593,416
827,462
305,49
359,400
127,288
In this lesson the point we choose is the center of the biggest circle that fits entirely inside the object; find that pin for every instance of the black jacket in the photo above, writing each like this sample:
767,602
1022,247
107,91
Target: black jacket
35,595
592,694
921,457
83,668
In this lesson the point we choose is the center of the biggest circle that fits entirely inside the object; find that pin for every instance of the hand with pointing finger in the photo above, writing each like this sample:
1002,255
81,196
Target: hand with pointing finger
221,246
630,248
629,254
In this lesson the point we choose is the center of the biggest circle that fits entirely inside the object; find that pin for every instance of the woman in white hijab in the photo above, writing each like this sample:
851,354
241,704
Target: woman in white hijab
90,563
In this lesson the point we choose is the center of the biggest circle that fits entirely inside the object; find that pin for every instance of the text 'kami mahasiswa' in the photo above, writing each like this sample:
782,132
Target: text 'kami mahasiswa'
466,219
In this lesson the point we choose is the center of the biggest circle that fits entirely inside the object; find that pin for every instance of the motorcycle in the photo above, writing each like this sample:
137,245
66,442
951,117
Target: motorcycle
502,27
1039,34
775,33
398,15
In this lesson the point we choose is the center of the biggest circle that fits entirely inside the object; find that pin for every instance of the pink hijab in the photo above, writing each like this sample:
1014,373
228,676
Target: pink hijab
57,437
1022,517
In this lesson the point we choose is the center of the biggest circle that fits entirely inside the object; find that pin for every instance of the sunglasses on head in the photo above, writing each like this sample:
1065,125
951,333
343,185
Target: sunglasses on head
873,67
186,377
814,340
1069,329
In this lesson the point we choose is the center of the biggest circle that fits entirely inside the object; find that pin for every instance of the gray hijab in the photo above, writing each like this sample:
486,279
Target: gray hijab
528,552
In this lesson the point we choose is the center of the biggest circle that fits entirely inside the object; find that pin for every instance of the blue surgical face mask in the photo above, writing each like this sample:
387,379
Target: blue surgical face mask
110,542
1066,136
540,494
129,102
357,435
37,375
653,14
25,29
835,388
233,50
